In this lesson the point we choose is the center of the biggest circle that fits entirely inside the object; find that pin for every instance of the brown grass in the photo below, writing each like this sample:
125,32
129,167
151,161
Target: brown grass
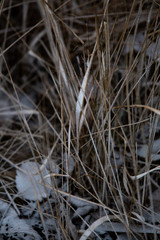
80,87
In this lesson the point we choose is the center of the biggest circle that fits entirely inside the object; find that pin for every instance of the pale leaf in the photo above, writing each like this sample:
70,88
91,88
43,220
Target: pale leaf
29,183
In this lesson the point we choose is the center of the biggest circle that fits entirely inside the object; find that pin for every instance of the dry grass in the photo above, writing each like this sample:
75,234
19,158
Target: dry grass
79,95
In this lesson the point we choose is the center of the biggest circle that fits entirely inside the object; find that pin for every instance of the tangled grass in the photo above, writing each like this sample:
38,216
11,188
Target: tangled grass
79,119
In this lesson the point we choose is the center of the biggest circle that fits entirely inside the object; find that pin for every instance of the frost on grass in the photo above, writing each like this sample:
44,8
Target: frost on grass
30,182
12,226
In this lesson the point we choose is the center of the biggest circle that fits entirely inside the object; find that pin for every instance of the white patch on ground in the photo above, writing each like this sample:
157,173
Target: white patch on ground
152,49
12,225
29,182
144,151
69,165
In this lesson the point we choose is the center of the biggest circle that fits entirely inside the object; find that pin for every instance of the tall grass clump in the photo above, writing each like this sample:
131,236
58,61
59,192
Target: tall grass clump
79,119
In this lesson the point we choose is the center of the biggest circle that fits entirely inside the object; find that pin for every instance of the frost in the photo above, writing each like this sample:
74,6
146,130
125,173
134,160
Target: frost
71,165
29,182
52,166
83,207
6,209
29,209
77,202
143,151
123,236
12,225
152,49
83,210
10,107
